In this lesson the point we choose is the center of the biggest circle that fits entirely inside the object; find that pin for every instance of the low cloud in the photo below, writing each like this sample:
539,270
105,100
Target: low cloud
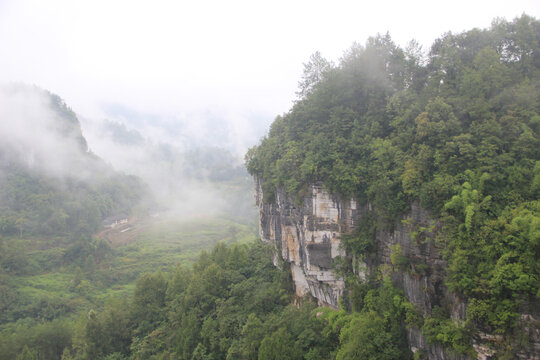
33,133
188,174
191,171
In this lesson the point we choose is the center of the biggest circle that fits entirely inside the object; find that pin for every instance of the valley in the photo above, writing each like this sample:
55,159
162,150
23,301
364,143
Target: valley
392,213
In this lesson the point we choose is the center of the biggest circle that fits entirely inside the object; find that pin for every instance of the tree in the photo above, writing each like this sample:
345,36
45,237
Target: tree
366,337
94,336
148,306
279,346
314,72
27,354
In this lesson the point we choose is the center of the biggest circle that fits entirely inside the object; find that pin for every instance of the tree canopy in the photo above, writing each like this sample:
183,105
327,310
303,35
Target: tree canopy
456,129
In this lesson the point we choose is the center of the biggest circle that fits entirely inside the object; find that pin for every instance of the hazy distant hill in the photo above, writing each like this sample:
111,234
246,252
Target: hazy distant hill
188,180
50,183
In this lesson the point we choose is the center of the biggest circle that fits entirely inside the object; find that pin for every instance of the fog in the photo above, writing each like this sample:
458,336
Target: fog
211,71
191,181
34,134
212,127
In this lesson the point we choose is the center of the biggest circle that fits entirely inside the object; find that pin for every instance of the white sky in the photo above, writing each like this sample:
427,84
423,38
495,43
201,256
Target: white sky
239,60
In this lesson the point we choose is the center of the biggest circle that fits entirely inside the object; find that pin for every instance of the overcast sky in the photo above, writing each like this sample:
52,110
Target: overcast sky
167,62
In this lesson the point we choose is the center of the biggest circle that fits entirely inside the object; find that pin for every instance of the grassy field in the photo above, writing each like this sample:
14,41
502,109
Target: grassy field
48,287
165,243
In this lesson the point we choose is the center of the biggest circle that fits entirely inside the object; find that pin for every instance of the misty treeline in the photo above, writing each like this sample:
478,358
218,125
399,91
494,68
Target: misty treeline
51,184
199,163
456,129
34,204
233,303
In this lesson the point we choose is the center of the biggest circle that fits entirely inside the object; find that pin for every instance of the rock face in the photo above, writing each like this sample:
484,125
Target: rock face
308,238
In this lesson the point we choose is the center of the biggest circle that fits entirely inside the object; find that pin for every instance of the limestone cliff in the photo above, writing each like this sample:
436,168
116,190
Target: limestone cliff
308,237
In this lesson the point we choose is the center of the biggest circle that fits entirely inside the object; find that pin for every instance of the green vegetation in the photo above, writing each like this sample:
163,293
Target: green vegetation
231,304
440,329
70,288
46,279
33,203
61,189
458,131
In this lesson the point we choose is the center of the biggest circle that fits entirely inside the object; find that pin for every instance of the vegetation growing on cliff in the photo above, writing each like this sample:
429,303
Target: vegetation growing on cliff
457,130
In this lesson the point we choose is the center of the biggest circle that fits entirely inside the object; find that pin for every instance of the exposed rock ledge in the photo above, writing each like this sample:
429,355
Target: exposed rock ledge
308,237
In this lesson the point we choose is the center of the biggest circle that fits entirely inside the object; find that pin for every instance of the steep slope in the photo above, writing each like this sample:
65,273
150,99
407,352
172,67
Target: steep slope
50,182
420,169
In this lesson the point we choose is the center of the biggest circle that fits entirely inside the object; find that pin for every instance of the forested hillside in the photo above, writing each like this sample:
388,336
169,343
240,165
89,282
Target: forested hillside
456,130
51,183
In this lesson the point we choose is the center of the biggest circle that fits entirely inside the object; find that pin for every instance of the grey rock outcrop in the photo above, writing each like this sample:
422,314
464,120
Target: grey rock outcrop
308,238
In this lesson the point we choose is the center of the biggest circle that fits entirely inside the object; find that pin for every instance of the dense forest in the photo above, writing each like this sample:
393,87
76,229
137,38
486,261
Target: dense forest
456,130
233,303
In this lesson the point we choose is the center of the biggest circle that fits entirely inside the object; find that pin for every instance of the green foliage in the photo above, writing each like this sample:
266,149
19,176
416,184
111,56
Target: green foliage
71,199
108,332
27,354
36,203
41,341
279,345
493,260
439,328
13,257
365,132
362,240
88,274
366,337
233,304
148,303
458,131
374,329
398,259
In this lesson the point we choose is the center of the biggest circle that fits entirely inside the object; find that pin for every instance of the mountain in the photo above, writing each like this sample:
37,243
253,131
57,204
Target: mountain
50,182
424,170
399,212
